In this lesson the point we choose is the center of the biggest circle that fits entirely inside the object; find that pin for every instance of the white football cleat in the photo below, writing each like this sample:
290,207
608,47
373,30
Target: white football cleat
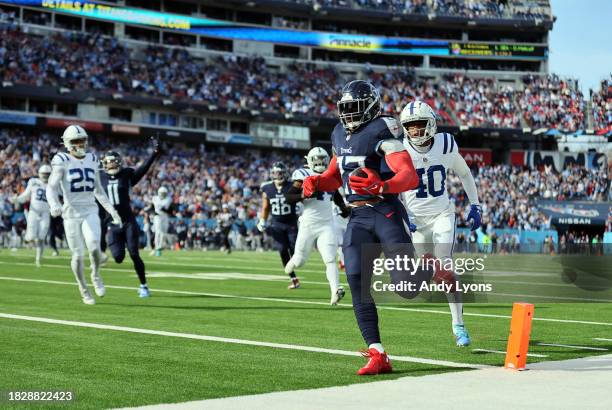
337,297
98,286
103,259
87,298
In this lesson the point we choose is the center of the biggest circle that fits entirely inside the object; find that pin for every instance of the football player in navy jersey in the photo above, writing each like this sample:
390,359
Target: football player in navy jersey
283,226
117,182
373,167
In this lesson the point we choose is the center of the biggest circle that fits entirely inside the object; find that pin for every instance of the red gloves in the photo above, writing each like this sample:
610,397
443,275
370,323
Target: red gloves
328,181
371,184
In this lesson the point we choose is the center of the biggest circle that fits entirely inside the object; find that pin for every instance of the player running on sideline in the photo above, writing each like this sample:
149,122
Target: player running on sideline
429,206
283,226
368,142
75,177
317,223
162,205
38,217
117,181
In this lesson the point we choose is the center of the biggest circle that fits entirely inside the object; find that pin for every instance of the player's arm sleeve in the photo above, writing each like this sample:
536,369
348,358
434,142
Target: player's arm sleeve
143,169
102,197
25,195
265,207
467,179
400,162
330,180
53,186
294,193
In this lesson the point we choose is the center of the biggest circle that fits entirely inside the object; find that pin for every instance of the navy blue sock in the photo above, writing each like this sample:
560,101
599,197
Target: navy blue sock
365,311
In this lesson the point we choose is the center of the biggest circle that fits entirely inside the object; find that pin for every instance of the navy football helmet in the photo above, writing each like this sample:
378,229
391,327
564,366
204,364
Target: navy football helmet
112,162
359,103
279,172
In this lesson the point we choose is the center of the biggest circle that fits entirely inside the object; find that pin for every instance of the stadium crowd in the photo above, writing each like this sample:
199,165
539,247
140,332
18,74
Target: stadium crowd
205,183
463,8
79,61
602,107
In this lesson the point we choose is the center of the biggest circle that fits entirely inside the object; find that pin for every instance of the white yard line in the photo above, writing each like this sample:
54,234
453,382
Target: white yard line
234,341
308,302
502,352
599,349
602,339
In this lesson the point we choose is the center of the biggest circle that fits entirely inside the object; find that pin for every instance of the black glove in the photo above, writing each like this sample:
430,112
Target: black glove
346,212
157,146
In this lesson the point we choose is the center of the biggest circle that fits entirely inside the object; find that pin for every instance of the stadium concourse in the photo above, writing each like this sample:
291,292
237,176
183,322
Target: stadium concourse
205,182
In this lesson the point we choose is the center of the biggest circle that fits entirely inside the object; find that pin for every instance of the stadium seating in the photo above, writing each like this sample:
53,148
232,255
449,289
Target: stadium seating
90,62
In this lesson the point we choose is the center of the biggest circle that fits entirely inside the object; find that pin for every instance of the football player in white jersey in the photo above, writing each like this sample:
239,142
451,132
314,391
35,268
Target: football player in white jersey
75,177
162,204
38,216
429,206
316,224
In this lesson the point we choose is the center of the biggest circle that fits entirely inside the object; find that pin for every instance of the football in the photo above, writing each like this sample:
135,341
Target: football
360,172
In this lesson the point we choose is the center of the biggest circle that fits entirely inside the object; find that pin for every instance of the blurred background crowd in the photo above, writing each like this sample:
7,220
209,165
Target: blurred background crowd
91,62
206,182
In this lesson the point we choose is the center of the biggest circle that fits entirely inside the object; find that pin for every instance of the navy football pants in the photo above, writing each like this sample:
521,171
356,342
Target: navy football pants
128,236
384,223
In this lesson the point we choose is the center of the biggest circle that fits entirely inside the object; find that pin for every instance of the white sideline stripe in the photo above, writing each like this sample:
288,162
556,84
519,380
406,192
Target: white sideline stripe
192,275
309,302
599,349
602,339
501,352
235,341
281,278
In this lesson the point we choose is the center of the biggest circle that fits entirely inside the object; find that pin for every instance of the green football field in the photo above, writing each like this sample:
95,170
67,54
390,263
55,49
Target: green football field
222,325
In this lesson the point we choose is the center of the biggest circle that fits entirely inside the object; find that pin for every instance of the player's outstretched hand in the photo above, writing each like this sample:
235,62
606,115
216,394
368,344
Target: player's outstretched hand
475,216
412,227
116,220
157,146
55,211
261,225
309,186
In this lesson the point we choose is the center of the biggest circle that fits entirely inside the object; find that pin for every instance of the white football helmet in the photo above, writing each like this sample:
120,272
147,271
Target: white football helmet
317,159
162,192
75,133
44,172
418,111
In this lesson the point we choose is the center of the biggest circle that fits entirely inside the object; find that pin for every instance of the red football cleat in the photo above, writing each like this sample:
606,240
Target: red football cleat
378,363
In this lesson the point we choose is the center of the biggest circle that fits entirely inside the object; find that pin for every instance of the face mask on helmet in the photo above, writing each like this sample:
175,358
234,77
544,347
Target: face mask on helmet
44,173
277,174
318,162
419,123
77,147
359,104
112,164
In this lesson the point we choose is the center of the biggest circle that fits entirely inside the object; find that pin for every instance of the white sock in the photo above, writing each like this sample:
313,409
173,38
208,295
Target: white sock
77,268
456,307
94,257
39,251
289,267
377,346
333,276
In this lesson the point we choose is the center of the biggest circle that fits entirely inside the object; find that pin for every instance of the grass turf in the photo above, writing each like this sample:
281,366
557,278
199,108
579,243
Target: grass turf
244,296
